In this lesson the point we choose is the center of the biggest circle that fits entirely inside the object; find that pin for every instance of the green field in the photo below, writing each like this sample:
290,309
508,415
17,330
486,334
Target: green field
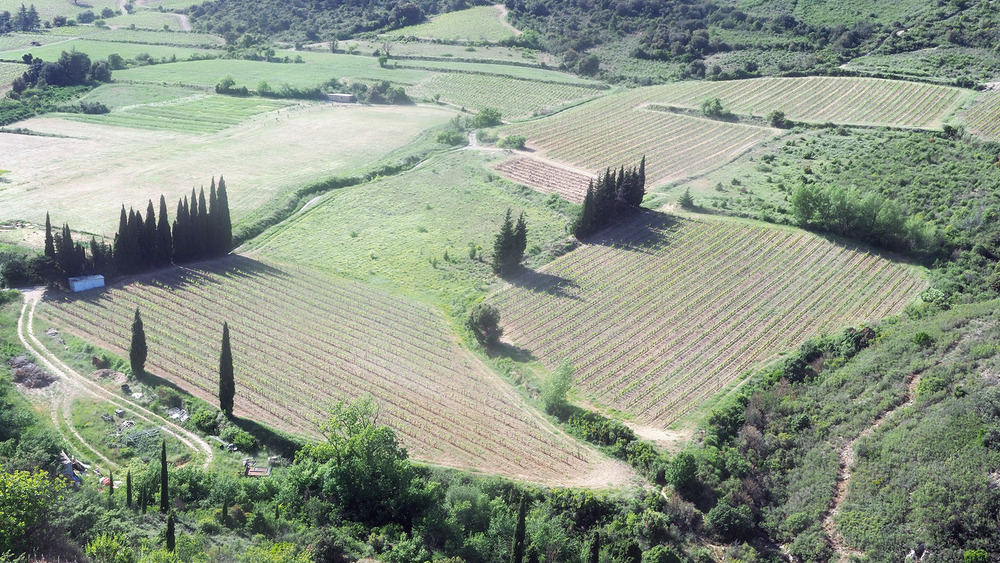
395,232
522,72
194,114
167,5
514,98
120,95
153,37
99,50
146,20
424,49
667,312
261,158
8,72
49,8
983,117
481,23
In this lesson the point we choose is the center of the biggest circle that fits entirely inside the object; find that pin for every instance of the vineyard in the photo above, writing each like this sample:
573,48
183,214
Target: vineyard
611,132
8,72
983,118
546,178
854,101
345,339
515,98
660,315
481,23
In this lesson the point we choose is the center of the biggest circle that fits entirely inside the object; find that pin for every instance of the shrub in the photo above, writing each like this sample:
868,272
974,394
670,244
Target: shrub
484,321
451,138
204,420
512,142
239,437
555,387
487,117
686,201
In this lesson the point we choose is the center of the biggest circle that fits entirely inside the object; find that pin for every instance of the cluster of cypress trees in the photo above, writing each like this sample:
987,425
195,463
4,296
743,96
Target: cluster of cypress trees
509,245
616,195
64,258
201,230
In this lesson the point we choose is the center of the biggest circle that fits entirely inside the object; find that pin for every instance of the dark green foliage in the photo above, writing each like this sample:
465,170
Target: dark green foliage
682,474
50,248
171,541
484,322
164,487
777,119
227,384
595,549
555,388
487,117
111,487
615,196
975,556
686,201
512,142
509,245
138,351
712,108
164,240
517,550
128,489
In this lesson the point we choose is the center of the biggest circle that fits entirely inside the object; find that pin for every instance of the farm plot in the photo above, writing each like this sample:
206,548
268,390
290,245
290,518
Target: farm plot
481,23
47,9
8,72
610,132
99,50
659,315
850,101
151,37
546,177
983,118
430,51
515,98
85,173
193,114
302,341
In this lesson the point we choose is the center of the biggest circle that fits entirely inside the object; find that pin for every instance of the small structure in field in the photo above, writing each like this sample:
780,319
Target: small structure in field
341,98
83,283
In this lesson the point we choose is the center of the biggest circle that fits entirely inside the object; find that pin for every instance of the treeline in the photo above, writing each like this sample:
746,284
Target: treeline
47,84
616,195
203,229
868,217
382,92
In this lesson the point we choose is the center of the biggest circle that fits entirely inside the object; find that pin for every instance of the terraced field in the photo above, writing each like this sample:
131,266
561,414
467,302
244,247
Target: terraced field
659,315
855,101
344,340
610,132
481,23
983,117
546,177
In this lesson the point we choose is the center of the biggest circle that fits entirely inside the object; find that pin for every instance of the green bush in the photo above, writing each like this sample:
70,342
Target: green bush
512,142
204,420
239,437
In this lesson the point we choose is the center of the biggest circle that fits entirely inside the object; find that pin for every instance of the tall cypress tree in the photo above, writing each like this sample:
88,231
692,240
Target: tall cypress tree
164,489
50,247
128,489
227,386
133,242
224,222
147,240
181,231
517,550
192,227
202,227
520,240
595,549
111,487
164,242
214,239
502,245
170,532
137,351
119,242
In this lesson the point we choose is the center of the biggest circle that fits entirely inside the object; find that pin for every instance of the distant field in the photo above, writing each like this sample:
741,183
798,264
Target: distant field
609,132
11,41
849,101
169,5
546,177
666,312
823,12
157,37
83,177
118,95
8,72
983,117
522,72
481,23
146,20
344,340
516,99
99,50
478,52
49,8
193,114
397,231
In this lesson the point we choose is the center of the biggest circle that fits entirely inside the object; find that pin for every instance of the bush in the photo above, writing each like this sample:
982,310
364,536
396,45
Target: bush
453,138
487,117
512,142
555,387
730,522
239,437
204,420
484,321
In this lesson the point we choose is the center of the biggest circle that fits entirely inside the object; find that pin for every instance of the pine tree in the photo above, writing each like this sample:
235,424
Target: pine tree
686,201
227,386
137,350
50,248
128,489
170,532
164,489
164,242
517,550
225,223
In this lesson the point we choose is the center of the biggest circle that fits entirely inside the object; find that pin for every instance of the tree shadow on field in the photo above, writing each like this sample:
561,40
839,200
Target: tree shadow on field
542,282
646,232
512,351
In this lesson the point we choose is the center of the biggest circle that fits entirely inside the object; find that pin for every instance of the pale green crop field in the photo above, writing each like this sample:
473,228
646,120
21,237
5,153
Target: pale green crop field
523,72
47,9
146,20
14,41
118,95
438,50
516,99
168,5
193,114
481,23
86,173
154,37
99,50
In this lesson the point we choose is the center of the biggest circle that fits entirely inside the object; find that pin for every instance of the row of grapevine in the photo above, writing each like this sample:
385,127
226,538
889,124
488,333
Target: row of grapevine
302,340
983,117
669,311
546,177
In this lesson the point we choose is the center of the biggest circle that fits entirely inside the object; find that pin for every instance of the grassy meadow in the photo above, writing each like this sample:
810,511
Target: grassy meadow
99,50
481,23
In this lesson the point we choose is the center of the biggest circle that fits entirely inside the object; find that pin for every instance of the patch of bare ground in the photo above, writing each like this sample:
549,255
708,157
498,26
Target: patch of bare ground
670,440
547,177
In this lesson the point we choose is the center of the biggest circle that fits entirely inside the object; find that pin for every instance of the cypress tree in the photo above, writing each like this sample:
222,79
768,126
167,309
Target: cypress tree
50,247
203,227
595,549
170,532
133,241
191,230
180,231
227,386
214,238
502,245
143,498
137,350
225,223
128,489
585,220
639,190
517,550
164,242
164,489
520,240
119,243
147,240
111,487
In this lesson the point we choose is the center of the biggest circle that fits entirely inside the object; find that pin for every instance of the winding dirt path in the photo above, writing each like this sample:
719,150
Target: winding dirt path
78,383
503,19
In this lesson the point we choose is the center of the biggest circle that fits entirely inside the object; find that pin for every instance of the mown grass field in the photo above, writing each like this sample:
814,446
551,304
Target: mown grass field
193,114
659,315
99,50
146,19
346,339
983,117
126,35
396,232
848,101
611,132
481,23
95,165
119,95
